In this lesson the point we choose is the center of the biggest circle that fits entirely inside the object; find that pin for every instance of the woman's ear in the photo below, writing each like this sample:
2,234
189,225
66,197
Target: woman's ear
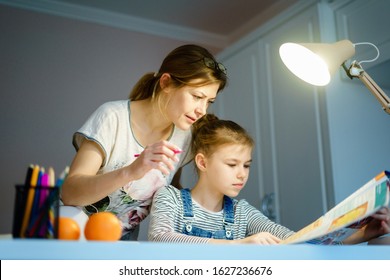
200,161
165,80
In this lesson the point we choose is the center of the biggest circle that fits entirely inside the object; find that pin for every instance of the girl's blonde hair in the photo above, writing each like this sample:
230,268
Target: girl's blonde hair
210,132
184,64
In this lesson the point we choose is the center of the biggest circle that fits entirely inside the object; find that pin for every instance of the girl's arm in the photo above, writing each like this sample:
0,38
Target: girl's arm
166,218
167,221
379,225
261,238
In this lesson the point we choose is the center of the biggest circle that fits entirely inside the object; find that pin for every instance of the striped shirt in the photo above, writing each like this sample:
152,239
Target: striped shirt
167,221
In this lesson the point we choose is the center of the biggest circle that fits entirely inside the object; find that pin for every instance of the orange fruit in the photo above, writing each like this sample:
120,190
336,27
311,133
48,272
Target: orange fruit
68,229
103,226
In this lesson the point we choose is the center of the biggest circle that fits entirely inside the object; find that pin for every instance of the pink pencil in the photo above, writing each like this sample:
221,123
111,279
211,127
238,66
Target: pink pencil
175,151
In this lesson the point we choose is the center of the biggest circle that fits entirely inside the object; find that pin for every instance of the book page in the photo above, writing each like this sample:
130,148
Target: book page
348,216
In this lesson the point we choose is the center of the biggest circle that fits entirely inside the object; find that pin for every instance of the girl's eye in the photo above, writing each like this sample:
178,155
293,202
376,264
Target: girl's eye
211,101
247,166
231,164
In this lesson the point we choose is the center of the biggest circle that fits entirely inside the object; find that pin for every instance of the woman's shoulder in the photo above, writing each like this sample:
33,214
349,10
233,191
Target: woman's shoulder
112,110
115,105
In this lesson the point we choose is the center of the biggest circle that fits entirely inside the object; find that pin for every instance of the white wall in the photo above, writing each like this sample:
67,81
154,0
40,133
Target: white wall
53,73
359,129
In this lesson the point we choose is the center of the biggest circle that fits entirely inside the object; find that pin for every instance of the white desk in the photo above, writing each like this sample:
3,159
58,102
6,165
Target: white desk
28,249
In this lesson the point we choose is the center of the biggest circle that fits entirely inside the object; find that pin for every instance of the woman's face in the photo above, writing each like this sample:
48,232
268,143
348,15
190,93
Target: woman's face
188,104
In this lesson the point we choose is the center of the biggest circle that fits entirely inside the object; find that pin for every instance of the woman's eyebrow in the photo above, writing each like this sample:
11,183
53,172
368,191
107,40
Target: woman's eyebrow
200,92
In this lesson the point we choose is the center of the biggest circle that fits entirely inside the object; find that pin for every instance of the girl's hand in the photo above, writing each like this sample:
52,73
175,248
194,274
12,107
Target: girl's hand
160,156
262,238
380,225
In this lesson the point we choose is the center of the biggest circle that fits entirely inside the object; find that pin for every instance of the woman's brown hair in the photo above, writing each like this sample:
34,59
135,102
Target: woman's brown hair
184,64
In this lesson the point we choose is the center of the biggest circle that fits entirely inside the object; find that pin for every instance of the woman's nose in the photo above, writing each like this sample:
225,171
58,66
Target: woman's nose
202,108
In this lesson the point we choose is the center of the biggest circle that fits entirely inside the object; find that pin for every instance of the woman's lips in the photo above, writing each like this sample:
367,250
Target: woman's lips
192,120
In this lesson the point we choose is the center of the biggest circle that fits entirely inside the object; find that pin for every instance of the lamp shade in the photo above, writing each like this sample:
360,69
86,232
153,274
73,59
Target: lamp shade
315,63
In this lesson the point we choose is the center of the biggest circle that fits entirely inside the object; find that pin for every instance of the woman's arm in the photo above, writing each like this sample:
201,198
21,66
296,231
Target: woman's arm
84,186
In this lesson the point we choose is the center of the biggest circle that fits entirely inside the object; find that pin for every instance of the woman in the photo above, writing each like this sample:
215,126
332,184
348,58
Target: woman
128,149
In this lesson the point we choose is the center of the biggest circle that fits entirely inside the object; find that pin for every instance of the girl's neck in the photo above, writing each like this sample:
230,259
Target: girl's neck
209,200
148,123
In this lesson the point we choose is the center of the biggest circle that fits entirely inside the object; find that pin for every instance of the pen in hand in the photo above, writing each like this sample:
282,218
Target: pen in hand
175,151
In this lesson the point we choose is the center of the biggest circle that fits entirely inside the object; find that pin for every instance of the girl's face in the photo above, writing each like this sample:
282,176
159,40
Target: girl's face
188,104
227,170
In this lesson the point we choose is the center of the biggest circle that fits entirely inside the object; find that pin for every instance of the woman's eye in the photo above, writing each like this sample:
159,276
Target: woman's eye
247,166
197,97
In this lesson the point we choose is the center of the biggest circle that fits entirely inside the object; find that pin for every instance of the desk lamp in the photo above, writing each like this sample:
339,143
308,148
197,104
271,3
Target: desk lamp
315,63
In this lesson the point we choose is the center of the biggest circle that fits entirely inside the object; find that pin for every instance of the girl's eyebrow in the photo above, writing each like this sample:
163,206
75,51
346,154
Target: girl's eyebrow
237,160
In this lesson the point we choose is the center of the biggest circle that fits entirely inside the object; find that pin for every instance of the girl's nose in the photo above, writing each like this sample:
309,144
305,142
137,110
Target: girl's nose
242,173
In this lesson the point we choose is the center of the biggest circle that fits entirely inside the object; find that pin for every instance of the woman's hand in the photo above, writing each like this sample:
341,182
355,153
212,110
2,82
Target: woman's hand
160,156
84,186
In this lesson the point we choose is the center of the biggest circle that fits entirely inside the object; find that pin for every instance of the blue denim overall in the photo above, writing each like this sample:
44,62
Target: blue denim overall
189,229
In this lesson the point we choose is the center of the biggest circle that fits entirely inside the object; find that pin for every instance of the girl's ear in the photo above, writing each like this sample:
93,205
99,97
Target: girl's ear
165,80
201,162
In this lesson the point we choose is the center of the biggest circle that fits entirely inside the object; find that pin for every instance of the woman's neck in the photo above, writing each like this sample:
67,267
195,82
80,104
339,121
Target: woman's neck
148,123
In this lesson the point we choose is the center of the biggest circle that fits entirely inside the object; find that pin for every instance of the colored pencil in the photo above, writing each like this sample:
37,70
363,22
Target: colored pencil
29,203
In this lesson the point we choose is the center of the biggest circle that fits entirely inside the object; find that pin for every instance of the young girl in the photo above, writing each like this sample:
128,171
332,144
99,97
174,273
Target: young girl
207,213
128,149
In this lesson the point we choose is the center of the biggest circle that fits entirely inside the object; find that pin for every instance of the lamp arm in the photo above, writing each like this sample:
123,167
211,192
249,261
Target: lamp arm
356,71
380,95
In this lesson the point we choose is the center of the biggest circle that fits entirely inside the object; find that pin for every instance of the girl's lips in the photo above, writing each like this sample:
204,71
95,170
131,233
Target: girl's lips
238,186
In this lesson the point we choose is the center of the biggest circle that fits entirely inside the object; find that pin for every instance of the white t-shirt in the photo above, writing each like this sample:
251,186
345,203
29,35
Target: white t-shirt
110,127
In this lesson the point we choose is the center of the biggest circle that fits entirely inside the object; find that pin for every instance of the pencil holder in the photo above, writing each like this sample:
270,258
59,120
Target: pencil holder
36,212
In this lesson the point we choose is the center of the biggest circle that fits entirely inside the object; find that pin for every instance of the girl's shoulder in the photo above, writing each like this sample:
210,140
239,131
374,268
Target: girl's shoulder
168,191
242,203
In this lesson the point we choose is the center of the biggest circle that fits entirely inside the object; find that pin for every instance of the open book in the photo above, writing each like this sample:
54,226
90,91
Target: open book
348,216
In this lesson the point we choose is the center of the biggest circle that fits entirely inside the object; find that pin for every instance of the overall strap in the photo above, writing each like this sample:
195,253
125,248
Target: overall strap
228,210
187,203
228,216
